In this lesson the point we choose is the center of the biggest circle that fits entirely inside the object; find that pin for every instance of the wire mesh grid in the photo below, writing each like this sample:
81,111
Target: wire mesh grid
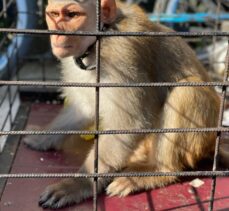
99,34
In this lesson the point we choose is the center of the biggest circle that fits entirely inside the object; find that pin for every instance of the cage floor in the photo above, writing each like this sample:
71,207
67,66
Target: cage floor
23,194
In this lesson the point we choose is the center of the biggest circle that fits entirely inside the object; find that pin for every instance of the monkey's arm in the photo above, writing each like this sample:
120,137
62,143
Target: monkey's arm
113,155
68,119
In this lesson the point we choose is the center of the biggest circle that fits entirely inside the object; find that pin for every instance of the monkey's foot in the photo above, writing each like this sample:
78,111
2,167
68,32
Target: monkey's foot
121,187
65,193
40,144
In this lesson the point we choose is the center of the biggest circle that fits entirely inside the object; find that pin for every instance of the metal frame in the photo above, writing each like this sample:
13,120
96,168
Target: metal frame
99,33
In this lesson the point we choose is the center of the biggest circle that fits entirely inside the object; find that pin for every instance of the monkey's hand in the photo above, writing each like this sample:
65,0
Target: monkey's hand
43,142
65,193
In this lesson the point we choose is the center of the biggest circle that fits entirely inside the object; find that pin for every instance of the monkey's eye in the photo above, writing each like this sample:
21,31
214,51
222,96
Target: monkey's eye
53,14
72,14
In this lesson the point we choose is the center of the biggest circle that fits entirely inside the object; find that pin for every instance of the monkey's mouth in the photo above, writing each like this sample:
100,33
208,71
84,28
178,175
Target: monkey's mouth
61,46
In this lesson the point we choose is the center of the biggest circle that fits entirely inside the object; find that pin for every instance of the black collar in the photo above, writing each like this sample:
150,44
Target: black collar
79,61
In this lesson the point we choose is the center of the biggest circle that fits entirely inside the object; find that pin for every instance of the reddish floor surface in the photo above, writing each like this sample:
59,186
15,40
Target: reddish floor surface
23,194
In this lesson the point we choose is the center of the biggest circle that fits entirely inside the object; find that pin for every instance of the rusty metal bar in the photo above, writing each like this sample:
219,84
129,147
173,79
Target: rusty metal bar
112,132
126,174
112,85
109,34
97,97
219,133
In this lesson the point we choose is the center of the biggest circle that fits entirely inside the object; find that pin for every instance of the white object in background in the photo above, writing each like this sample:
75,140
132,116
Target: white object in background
9,98
217,55
196,183
226,118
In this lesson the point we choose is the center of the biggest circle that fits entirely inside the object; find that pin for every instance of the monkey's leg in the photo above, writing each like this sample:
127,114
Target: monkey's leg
142,160
123,186
68,119
114,151
190,107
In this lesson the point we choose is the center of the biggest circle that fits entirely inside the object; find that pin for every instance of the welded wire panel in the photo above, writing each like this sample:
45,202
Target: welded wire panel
97,85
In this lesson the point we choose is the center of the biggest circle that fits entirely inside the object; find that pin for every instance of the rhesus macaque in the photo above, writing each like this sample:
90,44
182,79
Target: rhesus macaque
126,60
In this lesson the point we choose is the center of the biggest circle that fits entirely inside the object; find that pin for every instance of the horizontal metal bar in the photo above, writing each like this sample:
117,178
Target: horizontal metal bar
111,85
108,34
125,174
112,132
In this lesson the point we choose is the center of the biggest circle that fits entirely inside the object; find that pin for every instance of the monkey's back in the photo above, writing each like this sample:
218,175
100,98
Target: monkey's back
164,58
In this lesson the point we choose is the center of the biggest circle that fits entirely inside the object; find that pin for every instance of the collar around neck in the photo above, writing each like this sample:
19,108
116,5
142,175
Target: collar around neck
80,63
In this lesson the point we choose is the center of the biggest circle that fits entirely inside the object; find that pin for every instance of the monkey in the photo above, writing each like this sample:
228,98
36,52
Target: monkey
132,59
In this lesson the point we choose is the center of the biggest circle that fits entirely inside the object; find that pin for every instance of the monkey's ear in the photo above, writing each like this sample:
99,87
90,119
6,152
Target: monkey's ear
108,11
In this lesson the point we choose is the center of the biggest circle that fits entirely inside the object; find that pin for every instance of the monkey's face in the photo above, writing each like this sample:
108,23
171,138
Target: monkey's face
70,16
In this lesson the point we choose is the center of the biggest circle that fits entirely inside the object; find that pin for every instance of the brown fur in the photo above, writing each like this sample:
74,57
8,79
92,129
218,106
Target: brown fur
133,60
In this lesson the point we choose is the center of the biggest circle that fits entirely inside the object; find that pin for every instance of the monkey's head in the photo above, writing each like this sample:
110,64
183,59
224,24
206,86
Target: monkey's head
72,16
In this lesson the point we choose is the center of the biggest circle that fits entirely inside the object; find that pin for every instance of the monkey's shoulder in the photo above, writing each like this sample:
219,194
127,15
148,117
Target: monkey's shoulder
131,18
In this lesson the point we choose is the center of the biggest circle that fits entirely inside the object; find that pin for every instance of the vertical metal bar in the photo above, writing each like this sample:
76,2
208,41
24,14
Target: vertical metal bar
8,116
216,155
10,98
9,88
220,119
43,57
97,96
4,9
216,27
42,10
15,71
17,59
43,72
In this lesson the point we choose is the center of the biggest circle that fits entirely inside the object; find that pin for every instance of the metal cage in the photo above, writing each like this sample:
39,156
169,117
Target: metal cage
14,85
